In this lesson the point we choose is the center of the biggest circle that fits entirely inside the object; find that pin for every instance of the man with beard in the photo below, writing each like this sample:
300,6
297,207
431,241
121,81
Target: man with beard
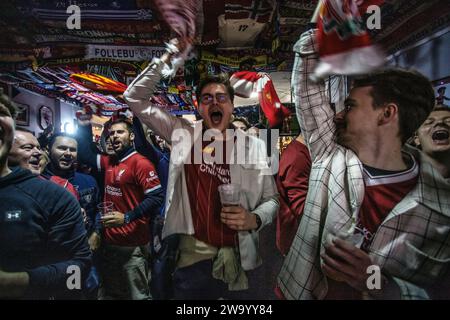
376,222
132,185
43,247
217,243
63,151
26,152
433,137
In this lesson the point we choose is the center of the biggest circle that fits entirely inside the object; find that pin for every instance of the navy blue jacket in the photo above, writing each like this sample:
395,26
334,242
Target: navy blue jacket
88,192
41,233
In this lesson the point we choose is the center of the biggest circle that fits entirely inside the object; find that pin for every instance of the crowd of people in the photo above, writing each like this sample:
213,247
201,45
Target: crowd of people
139,216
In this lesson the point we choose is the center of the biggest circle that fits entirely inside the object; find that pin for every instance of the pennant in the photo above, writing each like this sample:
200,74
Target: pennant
344,44
246,82
97,82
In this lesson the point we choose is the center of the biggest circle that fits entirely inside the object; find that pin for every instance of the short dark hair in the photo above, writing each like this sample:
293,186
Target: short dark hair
221,78
441,89
243,120
125,121
11,106
57,135
410,90
441,107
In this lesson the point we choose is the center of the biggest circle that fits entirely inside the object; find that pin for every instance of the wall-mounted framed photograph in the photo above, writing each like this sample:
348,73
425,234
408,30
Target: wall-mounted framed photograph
45,117
23,114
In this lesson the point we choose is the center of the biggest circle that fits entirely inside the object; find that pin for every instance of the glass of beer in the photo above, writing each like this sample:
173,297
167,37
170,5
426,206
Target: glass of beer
105,208
230,194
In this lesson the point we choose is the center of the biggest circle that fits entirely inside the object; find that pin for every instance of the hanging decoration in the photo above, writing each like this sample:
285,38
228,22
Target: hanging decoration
344,44
246,82
97,82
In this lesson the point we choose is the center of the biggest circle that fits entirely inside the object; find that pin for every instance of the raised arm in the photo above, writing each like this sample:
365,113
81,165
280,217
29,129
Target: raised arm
311,101
87,152
142,145
138,96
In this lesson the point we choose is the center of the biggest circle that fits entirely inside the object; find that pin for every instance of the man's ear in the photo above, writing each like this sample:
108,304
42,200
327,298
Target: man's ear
388,114
416,140
132,136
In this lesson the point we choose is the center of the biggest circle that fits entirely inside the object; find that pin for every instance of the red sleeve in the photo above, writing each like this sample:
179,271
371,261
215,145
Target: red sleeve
66,185
102,162
146,176
296,177
73,191
292,184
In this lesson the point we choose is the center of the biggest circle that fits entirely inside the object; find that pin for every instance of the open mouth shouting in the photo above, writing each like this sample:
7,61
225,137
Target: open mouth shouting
65,162
118,145
441,136
34,163
216,116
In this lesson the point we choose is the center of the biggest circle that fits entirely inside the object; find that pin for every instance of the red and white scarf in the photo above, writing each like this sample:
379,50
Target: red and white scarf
247,82
344,44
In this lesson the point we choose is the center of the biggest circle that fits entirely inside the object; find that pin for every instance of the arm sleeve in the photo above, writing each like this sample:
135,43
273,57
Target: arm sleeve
148,207
66,237
295,181
141,144
146,177
138,96
311,102
269,205
87,152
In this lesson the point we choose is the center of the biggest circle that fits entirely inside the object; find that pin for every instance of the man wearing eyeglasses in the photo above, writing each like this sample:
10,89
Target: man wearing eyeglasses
218,245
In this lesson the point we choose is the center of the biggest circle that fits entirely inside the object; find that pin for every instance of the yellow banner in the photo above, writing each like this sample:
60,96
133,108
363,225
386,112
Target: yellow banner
173,90
233,61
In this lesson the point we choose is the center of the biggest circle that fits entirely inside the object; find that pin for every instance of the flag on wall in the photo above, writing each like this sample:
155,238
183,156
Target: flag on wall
247,82
344,44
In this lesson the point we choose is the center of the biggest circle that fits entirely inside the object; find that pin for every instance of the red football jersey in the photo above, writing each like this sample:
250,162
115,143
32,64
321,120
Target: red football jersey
203,181
126,183
382,193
